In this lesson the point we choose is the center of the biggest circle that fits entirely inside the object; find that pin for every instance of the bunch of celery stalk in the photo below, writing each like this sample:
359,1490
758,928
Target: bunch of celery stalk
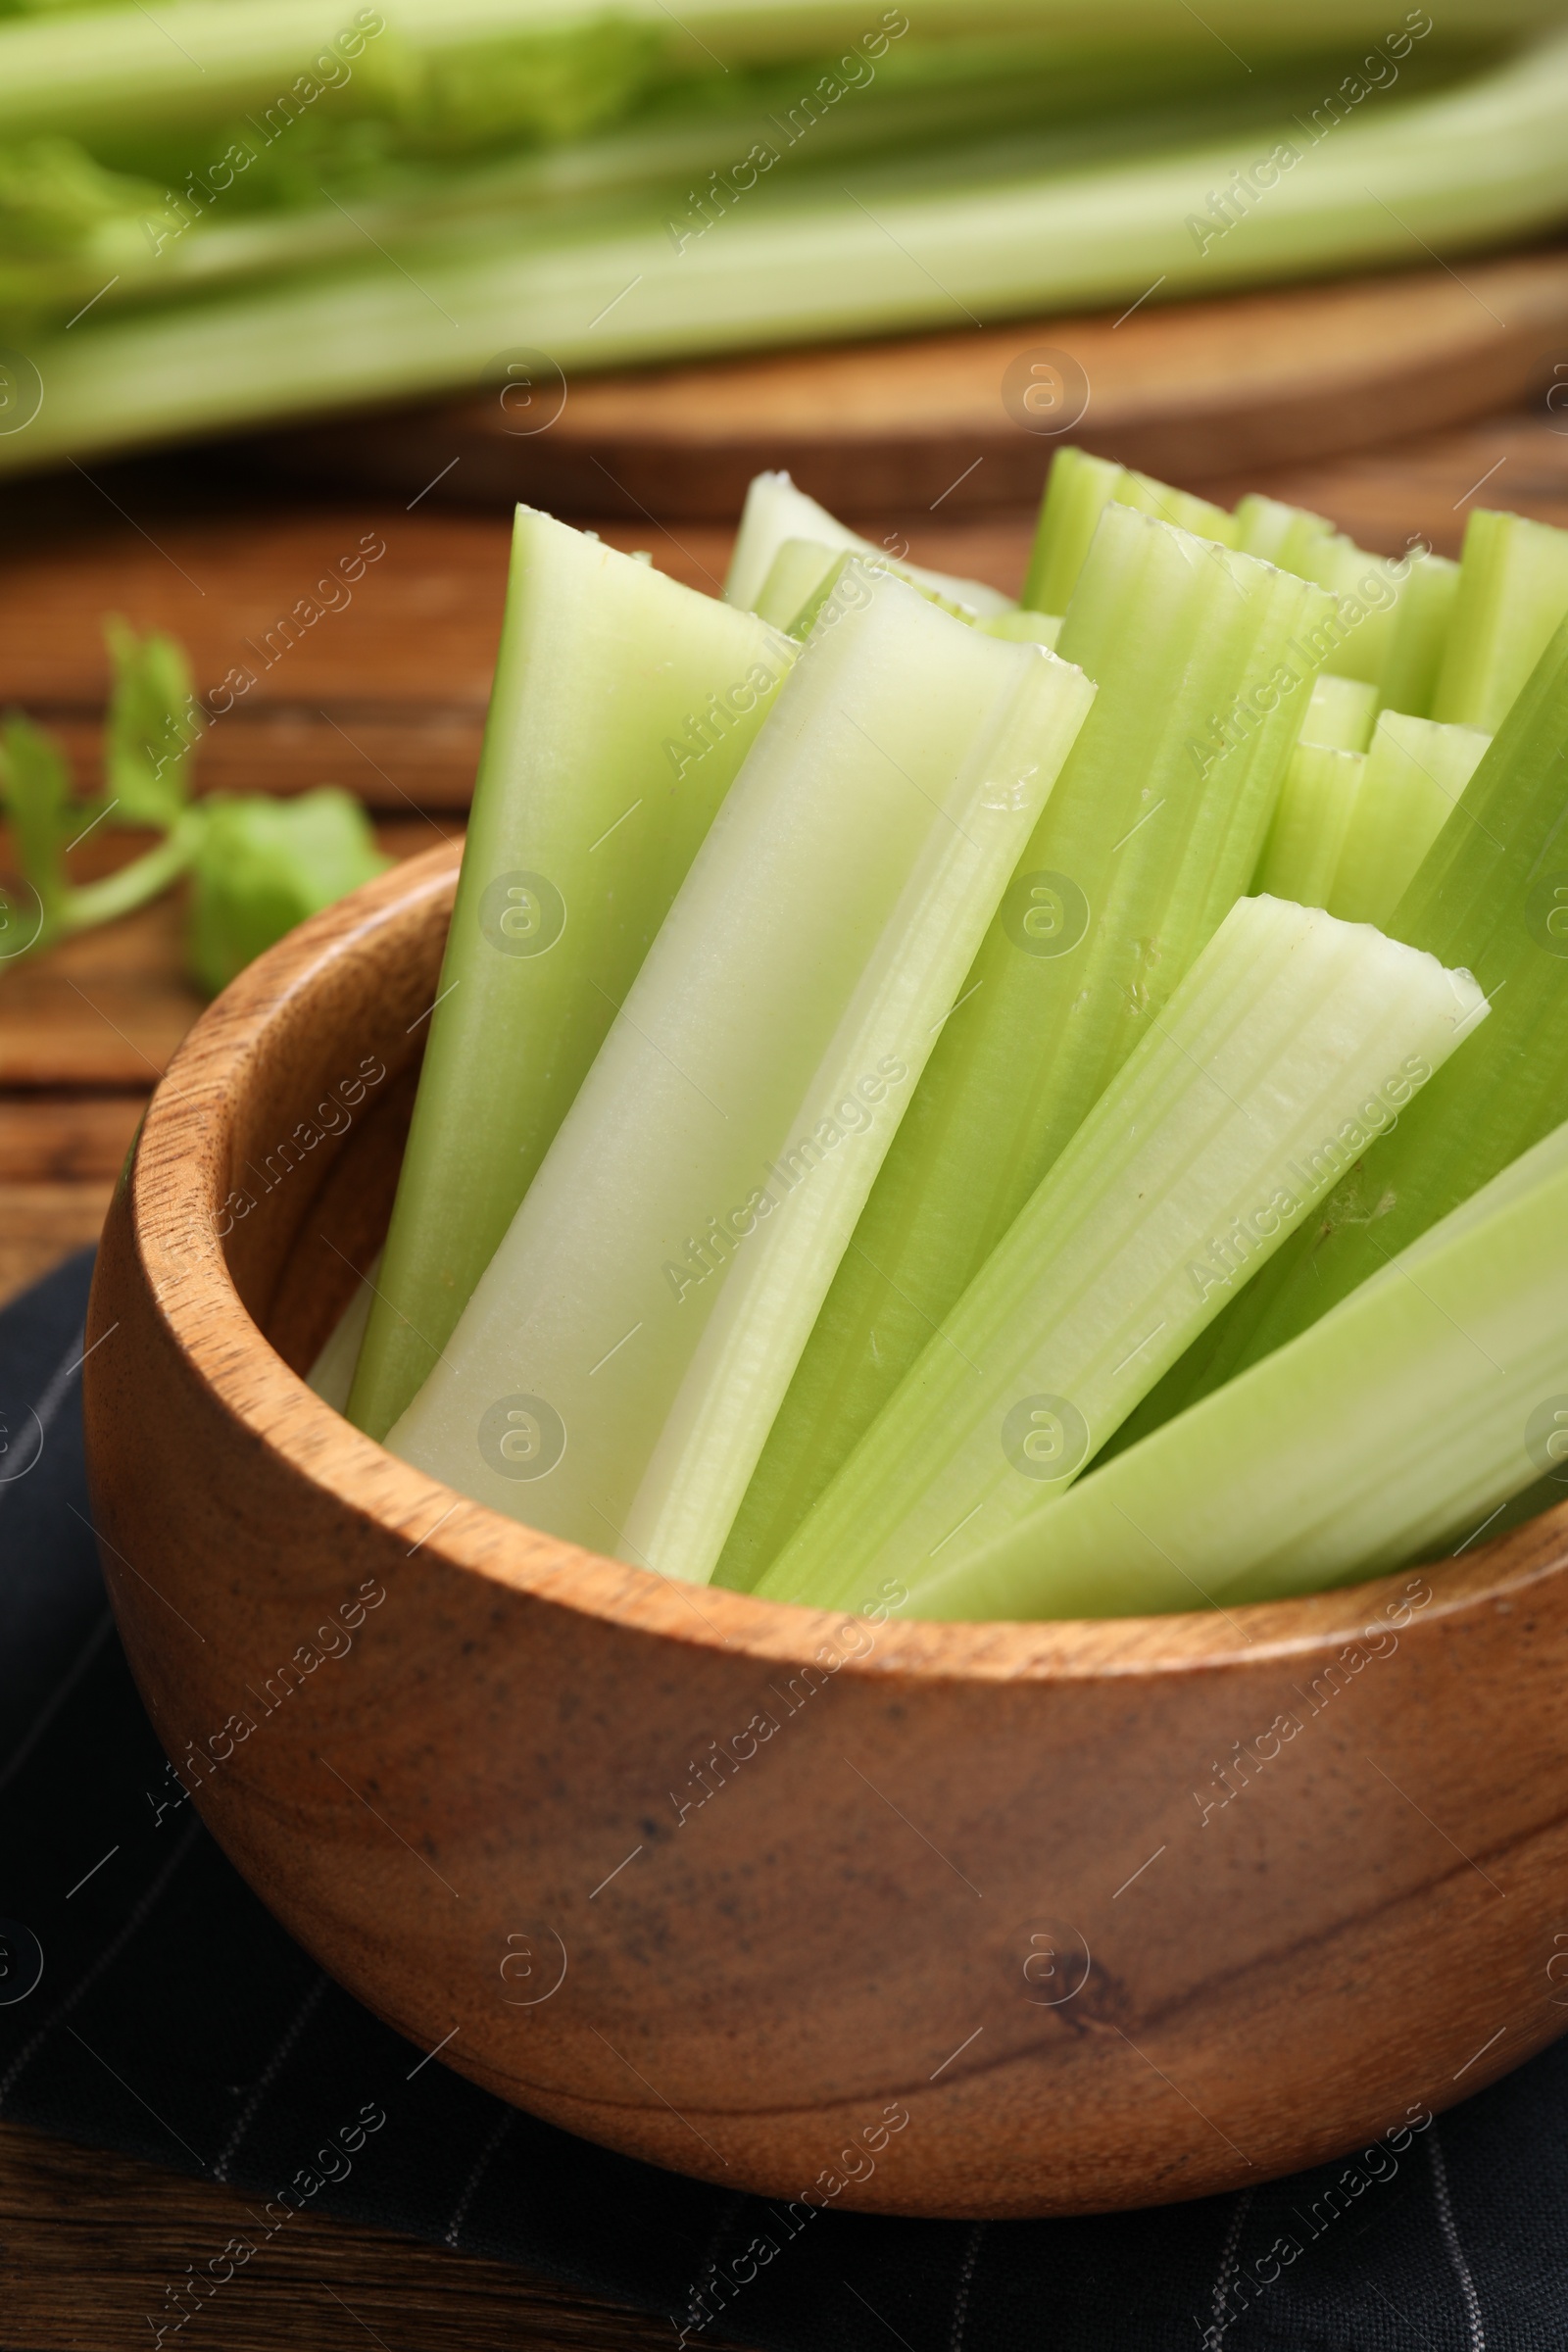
221,212
1002,1110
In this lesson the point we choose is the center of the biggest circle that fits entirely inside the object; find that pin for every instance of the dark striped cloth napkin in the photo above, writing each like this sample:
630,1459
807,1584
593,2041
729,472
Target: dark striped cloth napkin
149,2004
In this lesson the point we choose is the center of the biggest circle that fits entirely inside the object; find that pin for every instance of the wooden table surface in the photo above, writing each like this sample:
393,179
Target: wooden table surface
387,697
88,2240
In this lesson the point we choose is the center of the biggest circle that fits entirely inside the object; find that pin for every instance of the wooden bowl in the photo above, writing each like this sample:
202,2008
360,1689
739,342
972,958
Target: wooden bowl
932,1919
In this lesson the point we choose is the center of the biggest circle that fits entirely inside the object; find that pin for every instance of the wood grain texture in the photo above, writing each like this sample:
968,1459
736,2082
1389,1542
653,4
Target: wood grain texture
384,691
942,1827
85,1033
92,2240
1248,381
59,1155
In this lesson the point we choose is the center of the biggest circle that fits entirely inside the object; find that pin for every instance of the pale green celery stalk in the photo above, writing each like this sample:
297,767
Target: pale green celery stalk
1281,534
1415,774
433,158
1148,839
1490,895
1396,610
441,66
1205,1150
1367,591
331,1375
824,597
1301,855
157,244
775,512
1024,627
116,64
1341,713
794,575
1471,164
805,578
1184,508
1397,1423
1512,593
1078,489
622,707
619,1364
1419,644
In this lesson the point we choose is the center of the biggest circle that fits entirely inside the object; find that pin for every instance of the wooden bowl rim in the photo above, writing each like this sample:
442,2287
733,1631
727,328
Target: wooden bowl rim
178,1173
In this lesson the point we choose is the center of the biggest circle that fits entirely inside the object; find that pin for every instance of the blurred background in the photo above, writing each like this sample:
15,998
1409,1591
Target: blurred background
297,296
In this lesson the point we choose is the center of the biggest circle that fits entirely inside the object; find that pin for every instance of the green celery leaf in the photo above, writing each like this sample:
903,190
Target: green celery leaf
263,865
152,726
35,790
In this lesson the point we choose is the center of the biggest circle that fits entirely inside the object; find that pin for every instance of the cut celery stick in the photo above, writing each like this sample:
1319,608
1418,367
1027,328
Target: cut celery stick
1280,535
1291,1032
619,1366
794,575
622,708
1512,593
826,596
1024,627
1414,777
1367,592
1341,713
1395,612
1492,894
805,576
1397,1423
331,1375
1184,508
1301,855
1078,489
776,512
1419,644
1147,841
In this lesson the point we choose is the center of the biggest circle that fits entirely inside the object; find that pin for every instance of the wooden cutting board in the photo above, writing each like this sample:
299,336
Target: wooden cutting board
969,420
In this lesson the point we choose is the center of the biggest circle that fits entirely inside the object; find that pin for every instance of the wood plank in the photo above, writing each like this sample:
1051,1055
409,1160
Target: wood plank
106,1009
92,2240
42,1223
385,692
65,1139
104,1012
1250,380
59,1157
